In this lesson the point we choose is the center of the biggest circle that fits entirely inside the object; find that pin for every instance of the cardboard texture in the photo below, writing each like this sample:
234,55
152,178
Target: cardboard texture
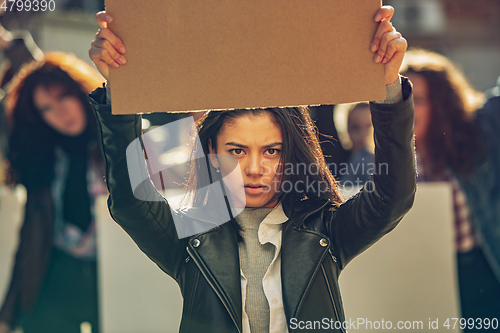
199,55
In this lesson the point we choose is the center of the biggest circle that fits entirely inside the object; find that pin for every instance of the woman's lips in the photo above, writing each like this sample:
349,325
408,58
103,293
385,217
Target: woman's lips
254,189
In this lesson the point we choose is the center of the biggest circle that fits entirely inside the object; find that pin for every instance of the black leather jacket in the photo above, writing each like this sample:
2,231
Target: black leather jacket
317,244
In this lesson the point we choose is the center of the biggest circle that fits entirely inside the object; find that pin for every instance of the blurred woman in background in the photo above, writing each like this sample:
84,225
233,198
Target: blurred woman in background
52,151
456,143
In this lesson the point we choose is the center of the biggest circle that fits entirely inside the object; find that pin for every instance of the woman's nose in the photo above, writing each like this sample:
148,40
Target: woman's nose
254,166
61,110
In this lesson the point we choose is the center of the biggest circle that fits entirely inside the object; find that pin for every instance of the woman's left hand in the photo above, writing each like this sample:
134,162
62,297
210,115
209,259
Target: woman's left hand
388,45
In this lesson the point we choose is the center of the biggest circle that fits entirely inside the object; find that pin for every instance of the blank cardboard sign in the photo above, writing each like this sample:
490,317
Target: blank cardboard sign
224,54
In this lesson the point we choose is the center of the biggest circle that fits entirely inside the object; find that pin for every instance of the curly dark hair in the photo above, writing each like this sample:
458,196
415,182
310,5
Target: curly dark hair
31,148
452,139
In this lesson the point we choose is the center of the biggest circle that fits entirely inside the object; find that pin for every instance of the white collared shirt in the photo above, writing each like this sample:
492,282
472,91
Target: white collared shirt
270,231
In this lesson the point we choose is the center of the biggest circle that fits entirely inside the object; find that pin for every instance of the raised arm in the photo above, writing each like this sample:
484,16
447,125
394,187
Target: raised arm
388,194
148,222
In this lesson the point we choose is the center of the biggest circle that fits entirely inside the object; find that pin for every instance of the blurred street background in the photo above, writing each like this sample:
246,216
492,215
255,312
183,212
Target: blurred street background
69,28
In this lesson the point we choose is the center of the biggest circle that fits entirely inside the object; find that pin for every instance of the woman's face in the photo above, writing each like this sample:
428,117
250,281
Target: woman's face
255,141
423,108
64,113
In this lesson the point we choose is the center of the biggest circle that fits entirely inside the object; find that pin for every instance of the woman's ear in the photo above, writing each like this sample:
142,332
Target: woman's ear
213,157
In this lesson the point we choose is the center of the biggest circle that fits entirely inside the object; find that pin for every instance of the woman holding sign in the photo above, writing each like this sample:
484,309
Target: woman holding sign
275,266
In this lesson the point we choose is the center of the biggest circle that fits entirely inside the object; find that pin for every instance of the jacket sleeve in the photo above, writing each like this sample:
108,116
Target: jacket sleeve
488,121
32,256
388,195
149,223
10,307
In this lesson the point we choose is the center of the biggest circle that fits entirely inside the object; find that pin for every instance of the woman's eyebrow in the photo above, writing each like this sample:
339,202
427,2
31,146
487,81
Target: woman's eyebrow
274,144
239,145
236,144
43,108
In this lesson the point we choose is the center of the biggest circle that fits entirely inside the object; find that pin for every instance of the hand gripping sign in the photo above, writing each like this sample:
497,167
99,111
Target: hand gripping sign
222,196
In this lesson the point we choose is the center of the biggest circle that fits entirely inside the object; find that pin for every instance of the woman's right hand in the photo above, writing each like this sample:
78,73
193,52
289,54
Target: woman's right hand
4,328
106,49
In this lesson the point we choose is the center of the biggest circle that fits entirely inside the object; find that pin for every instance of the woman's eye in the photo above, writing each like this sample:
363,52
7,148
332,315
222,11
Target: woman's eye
64,96
45,109
272,152
237,151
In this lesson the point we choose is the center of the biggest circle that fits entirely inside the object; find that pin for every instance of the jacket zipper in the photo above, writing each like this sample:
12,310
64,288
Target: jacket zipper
213,287
334,258
301,221
332,298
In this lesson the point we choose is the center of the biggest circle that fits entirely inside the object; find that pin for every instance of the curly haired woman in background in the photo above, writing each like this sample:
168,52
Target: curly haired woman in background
52,151
456,143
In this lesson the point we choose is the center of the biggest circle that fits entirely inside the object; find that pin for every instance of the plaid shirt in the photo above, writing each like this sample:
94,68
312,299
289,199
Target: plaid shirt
465,236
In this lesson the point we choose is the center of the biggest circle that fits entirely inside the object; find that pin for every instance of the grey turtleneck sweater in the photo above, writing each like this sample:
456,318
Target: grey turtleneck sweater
255,259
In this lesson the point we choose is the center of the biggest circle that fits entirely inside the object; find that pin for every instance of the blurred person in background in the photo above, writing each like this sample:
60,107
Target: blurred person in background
52,151
361,160
458,141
